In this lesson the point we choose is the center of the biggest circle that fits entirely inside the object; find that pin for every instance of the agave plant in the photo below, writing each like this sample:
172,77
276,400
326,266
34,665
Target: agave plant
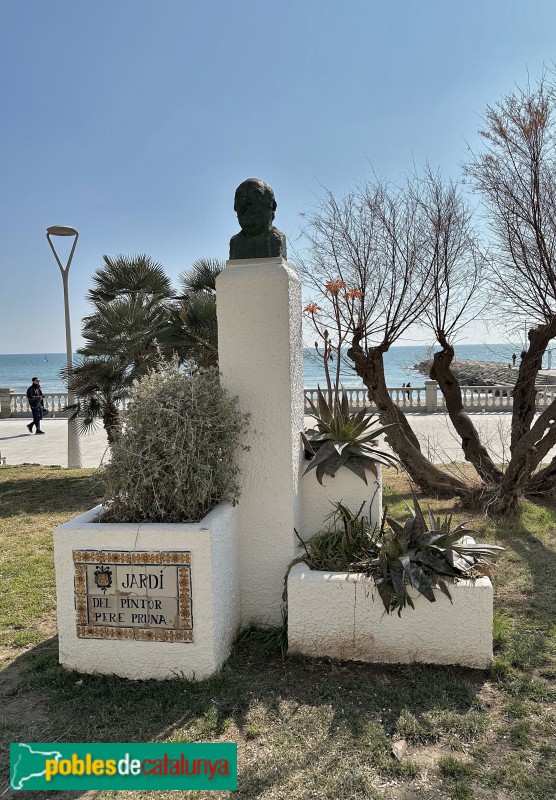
422,556
415,554
344,439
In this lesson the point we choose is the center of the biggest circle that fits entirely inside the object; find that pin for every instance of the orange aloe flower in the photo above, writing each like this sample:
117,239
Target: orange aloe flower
335,286
312,308
353,294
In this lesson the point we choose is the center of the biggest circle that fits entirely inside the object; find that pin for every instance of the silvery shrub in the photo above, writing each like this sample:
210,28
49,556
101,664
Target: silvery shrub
177,457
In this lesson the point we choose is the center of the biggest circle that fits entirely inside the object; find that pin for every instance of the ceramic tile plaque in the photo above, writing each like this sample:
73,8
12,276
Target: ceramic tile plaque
121,594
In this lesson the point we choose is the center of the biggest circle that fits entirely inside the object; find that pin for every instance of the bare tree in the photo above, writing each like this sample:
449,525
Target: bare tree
383,242
414,256
457,275
515,172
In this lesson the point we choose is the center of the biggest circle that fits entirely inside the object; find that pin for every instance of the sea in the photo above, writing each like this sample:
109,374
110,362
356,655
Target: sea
16,370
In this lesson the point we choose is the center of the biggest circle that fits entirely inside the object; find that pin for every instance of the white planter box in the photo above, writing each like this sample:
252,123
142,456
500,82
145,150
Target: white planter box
317,501
186,571
341,616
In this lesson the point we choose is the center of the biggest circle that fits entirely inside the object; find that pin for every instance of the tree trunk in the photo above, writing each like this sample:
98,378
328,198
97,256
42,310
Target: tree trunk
473,450
524,390
370,368
543,482
526,456
112,423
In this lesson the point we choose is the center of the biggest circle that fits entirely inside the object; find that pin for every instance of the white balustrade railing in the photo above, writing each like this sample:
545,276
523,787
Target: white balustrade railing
410,398
55,402
414,398
487,398
545,396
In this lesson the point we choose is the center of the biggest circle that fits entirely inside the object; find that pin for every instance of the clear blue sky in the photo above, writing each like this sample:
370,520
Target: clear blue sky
135,120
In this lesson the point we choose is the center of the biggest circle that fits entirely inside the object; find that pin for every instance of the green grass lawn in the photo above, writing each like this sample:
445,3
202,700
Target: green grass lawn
305,728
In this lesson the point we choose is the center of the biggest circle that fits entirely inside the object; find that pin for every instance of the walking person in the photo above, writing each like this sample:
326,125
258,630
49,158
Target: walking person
35,398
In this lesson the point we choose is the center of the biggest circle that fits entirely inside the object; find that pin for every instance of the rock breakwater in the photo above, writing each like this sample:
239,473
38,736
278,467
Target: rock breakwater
476,373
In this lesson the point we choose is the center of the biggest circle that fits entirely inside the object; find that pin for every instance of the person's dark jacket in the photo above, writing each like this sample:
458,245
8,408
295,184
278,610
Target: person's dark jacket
34,399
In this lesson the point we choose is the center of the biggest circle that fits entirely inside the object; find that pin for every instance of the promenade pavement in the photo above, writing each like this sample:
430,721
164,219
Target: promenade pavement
438,440
19,446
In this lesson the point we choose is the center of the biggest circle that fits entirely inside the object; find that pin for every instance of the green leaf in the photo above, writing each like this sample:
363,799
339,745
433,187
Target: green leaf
321,472
478,550
420,581
324,410
439,565
344,405
459,563
341,446
323,436
449,539
307,444
396,526
313,408
430,537
324,452
356,466
359,417
399,587
417,578
442,585
386,593
419,525
330,465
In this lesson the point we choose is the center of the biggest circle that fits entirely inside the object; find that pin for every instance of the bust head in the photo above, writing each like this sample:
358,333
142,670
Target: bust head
254,204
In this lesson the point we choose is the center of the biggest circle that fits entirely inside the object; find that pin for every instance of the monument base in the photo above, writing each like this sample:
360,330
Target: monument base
260,349
147,600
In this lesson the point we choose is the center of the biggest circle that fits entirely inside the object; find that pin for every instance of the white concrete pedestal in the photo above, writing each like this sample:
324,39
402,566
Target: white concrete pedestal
341,615
318,501
260,349
207,551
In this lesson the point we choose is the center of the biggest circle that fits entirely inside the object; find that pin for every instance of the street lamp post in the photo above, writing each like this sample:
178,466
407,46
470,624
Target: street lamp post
74,449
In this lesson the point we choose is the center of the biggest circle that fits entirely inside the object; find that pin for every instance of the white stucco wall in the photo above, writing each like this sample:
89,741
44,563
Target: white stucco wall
261,360
342,616
346,487
215,593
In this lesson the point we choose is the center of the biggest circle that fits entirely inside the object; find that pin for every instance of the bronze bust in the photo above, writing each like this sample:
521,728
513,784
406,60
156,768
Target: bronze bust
255,204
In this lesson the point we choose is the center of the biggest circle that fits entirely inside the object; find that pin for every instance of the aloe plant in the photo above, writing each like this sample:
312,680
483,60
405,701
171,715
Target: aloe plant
422,555
399,556
342,438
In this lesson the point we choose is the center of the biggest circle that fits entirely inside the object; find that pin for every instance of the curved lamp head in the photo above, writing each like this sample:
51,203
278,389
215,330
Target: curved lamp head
61,230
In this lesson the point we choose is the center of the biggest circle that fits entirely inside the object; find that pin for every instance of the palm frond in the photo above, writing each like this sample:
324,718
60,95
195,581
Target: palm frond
202,276
129,275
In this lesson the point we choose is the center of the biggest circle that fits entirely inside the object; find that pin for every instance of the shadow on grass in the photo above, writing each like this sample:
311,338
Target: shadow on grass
301,706
532,602
515,534
47,490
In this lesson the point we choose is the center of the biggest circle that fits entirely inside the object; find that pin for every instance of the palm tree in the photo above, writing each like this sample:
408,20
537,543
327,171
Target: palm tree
197,311
132,300
136,320
131,327
101,385
129,275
